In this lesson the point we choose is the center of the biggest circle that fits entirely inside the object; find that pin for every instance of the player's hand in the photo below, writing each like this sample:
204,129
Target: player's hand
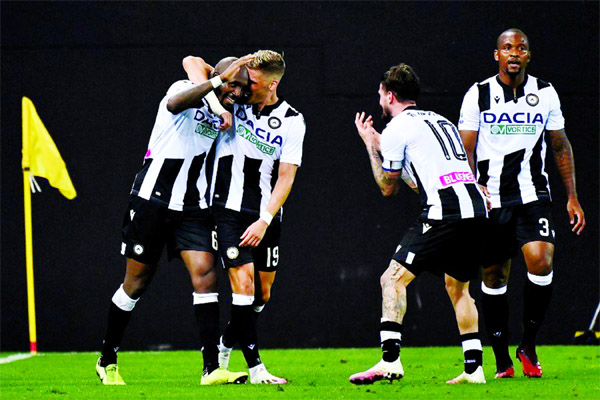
486,193
365,129
254,234
576,212
231,71
226,121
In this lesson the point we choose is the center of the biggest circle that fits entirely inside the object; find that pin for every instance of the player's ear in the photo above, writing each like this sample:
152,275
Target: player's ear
273,85
496,55
391,97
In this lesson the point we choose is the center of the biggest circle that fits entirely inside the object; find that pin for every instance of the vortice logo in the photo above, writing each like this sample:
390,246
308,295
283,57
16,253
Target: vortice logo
512,130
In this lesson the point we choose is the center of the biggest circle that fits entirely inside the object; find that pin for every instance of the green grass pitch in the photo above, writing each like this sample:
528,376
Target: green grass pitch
570,372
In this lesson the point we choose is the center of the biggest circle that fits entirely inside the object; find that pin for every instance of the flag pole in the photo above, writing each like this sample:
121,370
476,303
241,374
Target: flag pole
28,235
29,263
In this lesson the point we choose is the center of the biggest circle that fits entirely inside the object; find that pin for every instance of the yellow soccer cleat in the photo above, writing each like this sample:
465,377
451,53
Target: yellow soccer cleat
109,375
221,376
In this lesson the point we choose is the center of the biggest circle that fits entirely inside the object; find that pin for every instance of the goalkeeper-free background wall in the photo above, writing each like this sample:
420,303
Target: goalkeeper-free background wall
97,71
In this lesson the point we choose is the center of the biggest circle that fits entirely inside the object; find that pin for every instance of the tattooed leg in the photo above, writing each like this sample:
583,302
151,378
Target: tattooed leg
393,289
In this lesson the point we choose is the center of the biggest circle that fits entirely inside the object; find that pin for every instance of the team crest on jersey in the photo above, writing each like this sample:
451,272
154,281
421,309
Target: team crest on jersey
274,122
138,249
241,114
232,253
532,99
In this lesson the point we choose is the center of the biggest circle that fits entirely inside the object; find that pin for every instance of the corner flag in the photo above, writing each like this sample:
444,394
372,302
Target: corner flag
40,158
40,154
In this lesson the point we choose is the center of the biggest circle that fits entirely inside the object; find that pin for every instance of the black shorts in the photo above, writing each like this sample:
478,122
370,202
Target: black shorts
231,225
455,248
514,226
148,227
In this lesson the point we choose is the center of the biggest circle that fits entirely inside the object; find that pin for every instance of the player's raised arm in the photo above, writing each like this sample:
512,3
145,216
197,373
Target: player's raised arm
386,180
563,155
191,98
197,69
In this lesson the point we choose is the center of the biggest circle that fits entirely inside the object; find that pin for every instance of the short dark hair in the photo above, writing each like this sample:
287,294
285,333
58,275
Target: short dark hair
511,30
402,80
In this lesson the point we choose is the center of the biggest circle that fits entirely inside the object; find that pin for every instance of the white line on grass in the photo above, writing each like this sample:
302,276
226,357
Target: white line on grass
15,357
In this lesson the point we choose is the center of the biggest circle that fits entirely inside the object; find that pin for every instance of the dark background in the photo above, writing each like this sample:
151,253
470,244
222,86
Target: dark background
97,71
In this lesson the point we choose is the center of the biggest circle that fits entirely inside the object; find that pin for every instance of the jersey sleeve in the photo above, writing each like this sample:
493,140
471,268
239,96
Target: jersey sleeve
392,146
469,111
176,88
291,151
556,121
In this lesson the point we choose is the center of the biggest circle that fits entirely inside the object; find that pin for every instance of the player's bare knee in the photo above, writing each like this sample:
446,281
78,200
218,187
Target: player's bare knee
494,279
541,265
134,288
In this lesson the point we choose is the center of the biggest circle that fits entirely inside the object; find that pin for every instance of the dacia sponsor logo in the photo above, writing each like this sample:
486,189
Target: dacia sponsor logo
207,119
512,129
252,138
516,118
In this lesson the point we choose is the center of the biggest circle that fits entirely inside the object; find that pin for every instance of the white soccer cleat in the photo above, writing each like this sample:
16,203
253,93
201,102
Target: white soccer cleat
224,355
259,374
382,370
475,377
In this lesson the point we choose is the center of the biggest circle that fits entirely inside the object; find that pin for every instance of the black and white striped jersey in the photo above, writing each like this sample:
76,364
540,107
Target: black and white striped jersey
429,149
511,148
248,156
174,173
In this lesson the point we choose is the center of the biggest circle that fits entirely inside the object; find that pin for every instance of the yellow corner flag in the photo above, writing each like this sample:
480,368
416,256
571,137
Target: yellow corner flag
40,155
40,158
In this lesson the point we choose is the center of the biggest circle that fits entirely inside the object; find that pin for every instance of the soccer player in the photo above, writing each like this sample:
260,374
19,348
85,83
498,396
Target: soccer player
255,167
168,207
505,122
423,147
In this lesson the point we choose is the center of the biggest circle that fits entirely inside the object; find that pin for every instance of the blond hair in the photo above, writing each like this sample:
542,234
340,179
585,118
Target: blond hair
268,61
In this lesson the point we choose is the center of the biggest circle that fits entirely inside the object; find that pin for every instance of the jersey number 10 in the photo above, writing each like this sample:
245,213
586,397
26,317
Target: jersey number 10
455,143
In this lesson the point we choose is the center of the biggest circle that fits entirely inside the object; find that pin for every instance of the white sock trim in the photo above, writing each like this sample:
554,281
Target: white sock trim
258,309
205,298
242,299
492,291
386,335
222,347
539,279
471,344
122,300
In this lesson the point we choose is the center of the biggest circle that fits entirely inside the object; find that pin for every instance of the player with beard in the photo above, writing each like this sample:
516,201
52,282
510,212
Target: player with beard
168,207
423,147
505,122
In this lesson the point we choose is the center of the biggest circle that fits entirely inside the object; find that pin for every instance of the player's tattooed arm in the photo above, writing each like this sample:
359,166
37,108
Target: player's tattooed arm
408,180
387,181
563,155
